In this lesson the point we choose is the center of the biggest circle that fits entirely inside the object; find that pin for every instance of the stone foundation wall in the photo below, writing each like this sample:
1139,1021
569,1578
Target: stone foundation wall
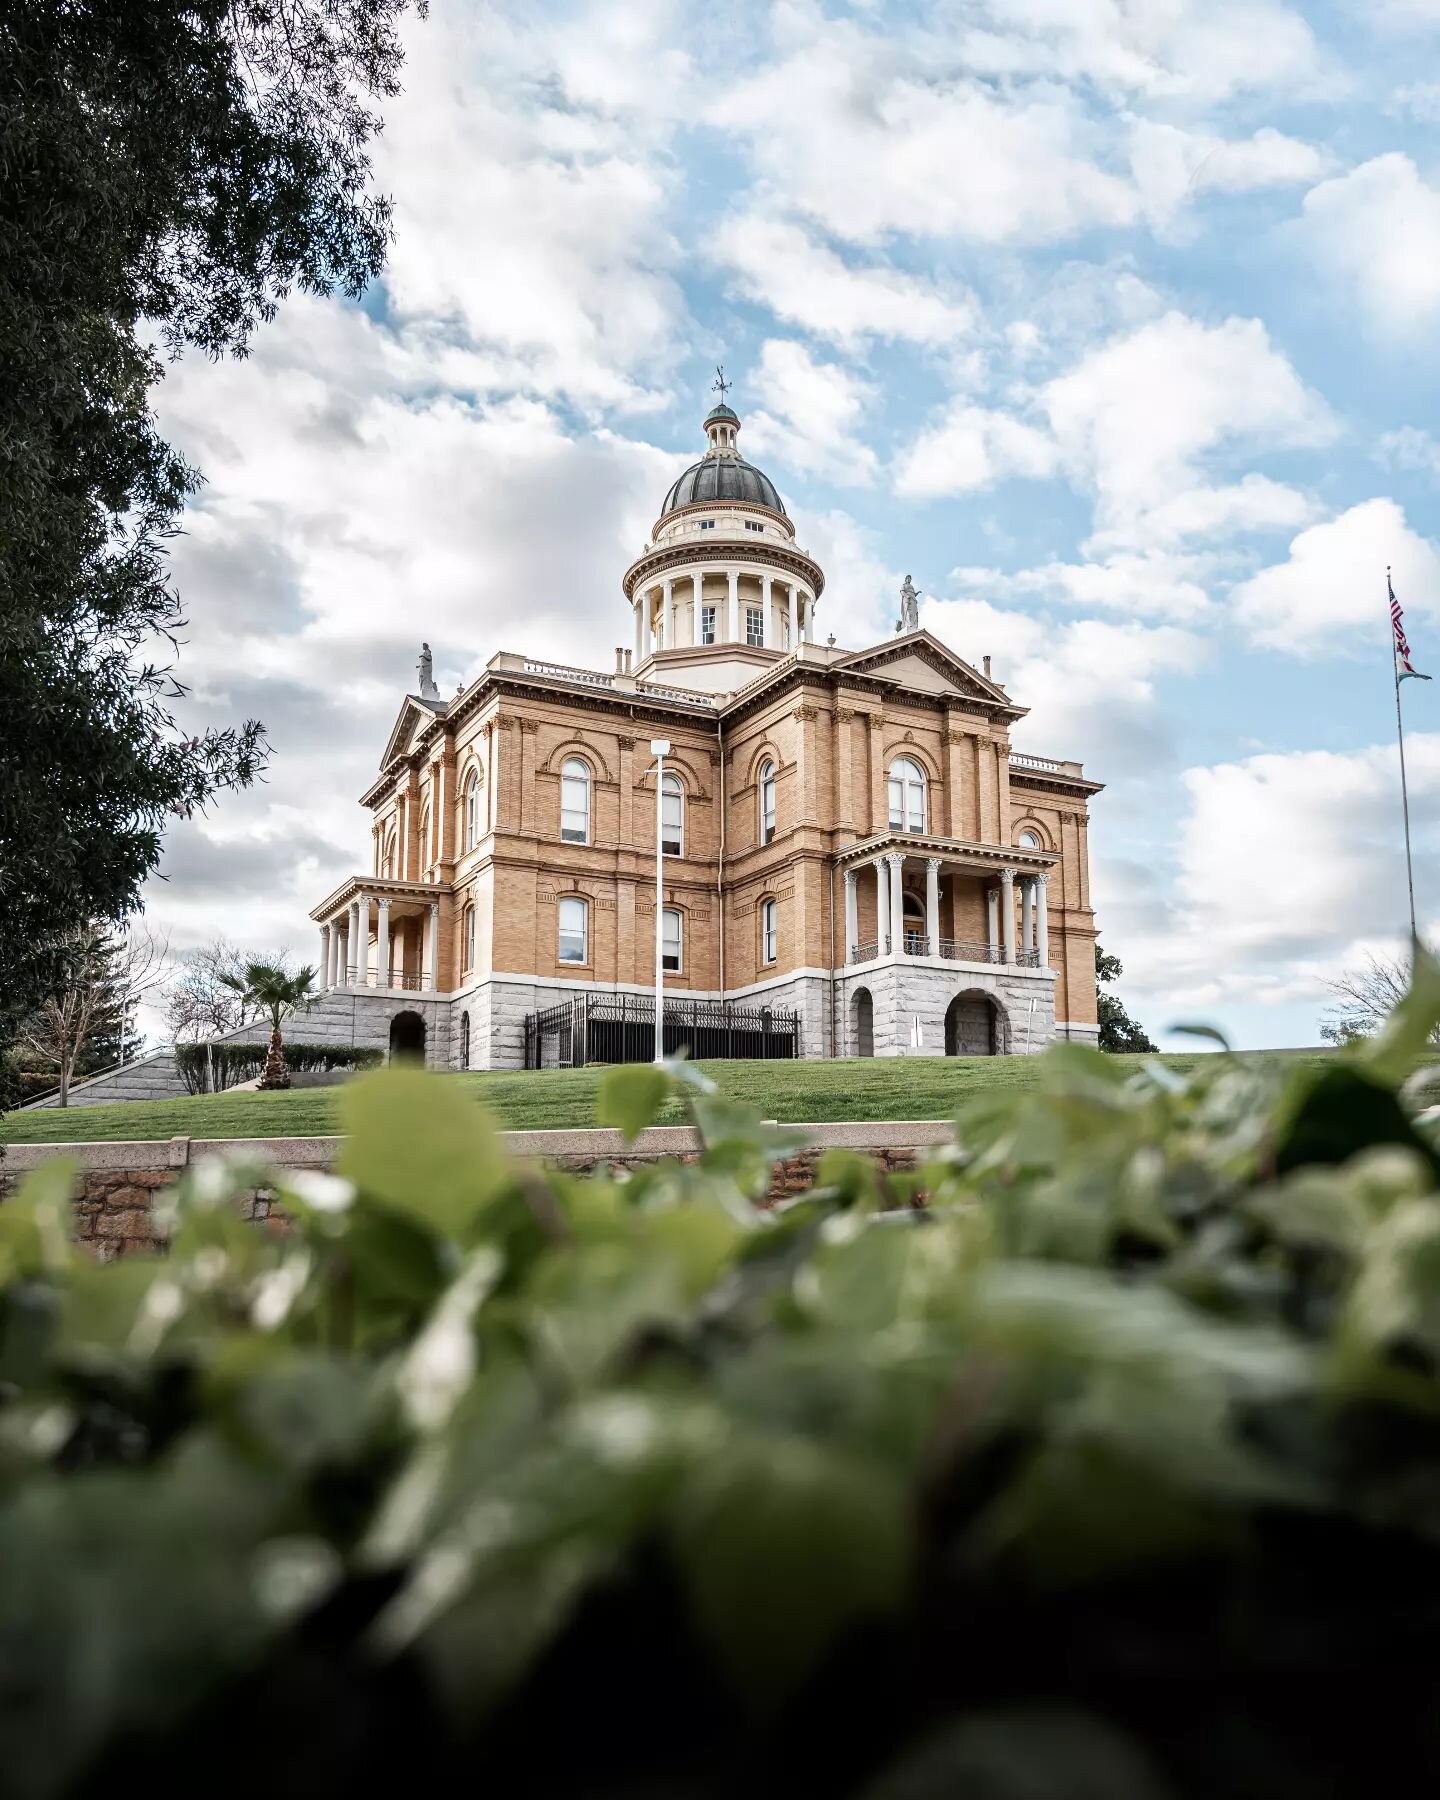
116,1183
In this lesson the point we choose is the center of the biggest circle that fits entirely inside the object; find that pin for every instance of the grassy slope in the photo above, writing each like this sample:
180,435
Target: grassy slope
921,1087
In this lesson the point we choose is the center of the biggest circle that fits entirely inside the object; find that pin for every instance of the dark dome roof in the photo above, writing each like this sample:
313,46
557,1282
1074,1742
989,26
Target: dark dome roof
723,478
722,411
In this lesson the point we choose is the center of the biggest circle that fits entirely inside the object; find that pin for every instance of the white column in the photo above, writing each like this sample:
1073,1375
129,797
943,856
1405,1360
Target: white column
362,941
324,956
639,628
1007,913
768,633
807,617
882,904
932,904
1042,919
342,952
432,946
852,914
1027,912
793,602
699,606
732,629
382,945
669,601
897,905
352,933
992,922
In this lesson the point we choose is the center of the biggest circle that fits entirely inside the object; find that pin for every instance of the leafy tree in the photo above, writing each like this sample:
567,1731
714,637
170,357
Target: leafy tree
1366,995
1118,1031
87,1021
1111,1471
171,169
271,988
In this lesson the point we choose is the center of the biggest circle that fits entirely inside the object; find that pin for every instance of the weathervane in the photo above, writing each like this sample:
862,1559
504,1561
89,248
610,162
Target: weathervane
720,385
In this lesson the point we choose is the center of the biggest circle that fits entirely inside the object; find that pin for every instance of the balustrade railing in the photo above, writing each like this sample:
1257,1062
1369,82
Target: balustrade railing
369,978
969,950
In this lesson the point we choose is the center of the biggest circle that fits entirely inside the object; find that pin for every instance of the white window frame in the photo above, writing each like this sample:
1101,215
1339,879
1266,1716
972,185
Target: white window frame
672,961
672,812
470,935
1030,840
769,932
908,798
569,781
750,525
707,623
472,809
572,906
707,524
755,627
767,801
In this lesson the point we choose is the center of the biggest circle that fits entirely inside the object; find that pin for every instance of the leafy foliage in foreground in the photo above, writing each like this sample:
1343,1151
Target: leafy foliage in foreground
1112,1472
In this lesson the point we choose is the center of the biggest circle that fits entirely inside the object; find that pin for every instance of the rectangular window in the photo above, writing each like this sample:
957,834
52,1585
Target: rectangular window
707,524
469,937
754,626
767,803
574,931
750,525
769,935
672,818
670,941
707,624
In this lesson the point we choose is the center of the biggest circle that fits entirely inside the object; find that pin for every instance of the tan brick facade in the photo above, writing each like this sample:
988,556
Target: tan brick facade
472,871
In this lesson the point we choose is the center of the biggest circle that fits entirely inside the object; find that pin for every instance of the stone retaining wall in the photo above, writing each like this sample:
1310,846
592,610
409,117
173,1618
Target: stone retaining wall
116,1182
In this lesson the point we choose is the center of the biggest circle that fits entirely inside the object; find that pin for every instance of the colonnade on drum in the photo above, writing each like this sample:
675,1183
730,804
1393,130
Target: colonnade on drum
787,610
1025,947
345,947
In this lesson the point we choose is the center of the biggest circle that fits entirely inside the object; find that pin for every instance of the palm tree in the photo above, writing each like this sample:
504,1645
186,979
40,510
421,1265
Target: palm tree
274,990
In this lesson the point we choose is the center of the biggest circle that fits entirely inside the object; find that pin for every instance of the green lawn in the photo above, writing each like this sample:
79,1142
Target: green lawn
920,1087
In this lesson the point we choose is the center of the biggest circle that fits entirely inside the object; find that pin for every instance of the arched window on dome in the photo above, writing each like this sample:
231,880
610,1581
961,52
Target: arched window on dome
907,795
575,801
672,816
767,801
472,809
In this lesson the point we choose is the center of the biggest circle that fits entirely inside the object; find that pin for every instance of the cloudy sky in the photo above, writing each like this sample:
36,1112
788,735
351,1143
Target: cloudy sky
1112,321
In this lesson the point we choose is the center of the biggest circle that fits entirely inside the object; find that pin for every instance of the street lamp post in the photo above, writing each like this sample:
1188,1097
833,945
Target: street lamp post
659,749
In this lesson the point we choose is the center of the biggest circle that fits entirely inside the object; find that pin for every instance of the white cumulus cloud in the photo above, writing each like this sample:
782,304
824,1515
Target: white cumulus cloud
1377,230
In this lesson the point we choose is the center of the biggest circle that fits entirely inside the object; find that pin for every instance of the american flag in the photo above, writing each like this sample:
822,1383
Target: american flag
1403,667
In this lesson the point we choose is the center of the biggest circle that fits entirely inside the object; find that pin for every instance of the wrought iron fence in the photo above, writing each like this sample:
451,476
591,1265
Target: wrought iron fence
969,950
620,1028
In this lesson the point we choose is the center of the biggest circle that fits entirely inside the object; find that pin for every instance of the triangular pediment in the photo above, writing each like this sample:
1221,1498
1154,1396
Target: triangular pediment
922,662
414,718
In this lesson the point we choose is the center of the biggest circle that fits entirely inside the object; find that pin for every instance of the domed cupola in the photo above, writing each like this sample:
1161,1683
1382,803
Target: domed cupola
722,475
722,589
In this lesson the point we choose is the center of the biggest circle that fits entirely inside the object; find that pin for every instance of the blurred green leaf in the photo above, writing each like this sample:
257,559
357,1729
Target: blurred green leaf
630,1097
421,1146
783,1545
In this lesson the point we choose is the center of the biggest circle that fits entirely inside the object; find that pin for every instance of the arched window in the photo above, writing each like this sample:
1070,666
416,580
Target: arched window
472,809
1029,840
767,801
913,915
907,795
574,930
575,801
465,1040
769,932
672,816
470,937
672,939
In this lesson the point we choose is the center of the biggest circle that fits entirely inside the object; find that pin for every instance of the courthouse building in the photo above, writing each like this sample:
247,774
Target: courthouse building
856,862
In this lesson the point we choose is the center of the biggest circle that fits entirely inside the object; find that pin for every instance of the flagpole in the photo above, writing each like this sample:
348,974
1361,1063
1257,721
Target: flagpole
1404,787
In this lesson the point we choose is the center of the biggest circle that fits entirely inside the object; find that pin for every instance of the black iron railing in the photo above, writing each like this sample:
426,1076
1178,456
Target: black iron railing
620,1028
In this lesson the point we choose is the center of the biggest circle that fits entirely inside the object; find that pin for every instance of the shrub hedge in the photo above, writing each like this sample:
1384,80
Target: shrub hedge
1110,1473
230,1064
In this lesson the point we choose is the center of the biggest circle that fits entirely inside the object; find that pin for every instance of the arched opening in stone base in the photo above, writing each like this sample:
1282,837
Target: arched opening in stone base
976,1025
862,1022
407,1037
